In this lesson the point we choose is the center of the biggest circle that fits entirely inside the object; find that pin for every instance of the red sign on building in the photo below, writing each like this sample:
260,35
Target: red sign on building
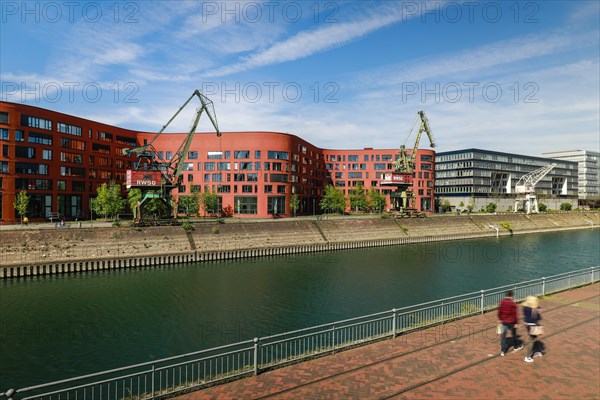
394,178
142,178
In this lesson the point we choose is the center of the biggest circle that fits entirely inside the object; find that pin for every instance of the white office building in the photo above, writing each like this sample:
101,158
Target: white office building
588,171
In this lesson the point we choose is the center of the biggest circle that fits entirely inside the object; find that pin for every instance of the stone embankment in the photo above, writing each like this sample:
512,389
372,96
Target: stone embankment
31,252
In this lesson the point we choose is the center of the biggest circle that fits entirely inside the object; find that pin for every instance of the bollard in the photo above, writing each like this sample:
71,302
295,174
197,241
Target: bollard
255,356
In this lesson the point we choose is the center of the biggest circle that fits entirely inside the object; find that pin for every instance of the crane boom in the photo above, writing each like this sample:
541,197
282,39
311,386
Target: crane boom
526,186
528,181
405,163
156,179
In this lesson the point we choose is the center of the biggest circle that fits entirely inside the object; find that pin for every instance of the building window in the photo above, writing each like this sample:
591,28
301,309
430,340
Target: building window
30,168
245,204
224,166
24,152
69,129
47,154
214,155
4,167
278,155
246,188
19,136
257,154
3,120
40,138
192,155
268,188
73,171
78,186
281,189
69,143
209,166
188,166
241,154
224,189
71,158
61,185
101,148
3,134
35,122
279,178
276,204
5,151
217,177
252,177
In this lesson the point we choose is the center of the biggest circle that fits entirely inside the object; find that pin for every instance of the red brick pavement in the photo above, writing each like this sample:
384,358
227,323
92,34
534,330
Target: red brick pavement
457,360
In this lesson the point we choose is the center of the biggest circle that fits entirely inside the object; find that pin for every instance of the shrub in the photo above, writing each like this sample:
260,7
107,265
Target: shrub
490,208
187,226
566,206
215,230
542,207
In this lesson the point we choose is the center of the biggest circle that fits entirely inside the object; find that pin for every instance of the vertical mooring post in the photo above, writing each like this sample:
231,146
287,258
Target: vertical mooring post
482,301
255,356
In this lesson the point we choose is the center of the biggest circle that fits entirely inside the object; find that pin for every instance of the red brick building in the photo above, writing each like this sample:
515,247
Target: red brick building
61,160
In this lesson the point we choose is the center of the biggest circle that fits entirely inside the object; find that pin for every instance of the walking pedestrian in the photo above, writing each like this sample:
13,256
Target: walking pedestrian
532,317
507,316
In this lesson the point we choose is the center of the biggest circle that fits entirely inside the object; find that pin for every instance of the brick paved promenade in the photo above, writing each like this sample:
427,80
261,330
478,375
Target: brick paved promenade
459,360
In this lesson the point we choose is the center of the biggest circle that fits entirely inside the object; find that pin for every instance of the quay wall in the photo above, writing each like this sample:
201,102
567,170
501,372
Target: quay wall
34,252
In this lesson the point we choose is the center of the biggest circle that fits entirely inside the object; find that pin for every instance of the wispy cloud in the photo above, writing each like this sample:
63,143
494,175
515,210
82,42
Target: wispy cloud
307,43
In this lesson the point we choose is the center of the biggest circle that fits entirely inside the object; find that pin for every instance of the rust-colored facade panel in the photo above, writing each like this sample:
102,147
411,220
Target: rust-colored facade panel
61,160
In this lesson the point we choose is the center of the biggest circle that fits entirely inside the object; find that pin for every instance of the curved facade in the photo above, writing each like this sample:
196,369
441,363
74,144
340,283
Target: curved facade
61,160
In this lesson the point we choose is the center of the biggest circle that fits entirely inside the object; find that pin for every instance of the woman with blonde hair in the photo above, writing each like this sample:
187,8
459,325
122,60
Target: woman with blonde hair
532,316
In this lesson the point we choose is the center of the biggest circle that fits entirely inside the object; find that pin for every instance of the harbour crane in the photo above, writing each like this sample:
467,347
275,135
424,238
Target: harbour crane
403,199
157,177
525,187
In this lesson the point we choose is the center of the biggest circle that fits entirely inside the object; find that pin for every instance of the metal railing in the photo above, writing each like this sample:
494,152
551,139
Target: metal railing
160,378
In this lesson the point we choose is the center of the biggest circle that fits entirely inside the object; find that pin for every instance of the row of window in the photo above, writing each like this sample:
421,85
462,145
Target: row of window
46,184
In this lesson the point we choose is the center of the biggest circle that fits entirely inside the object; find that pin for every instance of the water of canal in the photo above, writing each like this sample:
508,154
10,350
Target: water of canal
60,326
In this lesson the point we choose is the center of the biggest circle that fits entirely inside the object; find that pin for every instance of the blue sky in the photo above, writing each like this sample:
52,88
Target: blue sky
511,76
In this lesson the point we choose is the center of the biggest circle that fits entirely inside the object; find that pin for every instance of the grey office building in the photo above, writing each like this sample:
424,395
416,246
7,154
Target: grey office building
482,176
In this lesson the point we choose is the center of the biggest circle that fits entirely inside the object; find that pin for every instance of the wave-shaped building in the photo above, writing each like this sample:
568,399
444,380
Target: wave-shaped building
61,160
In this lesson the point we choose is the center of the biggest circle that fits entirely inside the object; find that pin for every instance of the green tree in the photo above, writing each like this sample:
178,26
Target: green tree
358,199
445,206
295,203
333,200
490,208
133,196
21,204
190,204
566,206
375,200
109,202
471,204
210,202
155,207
